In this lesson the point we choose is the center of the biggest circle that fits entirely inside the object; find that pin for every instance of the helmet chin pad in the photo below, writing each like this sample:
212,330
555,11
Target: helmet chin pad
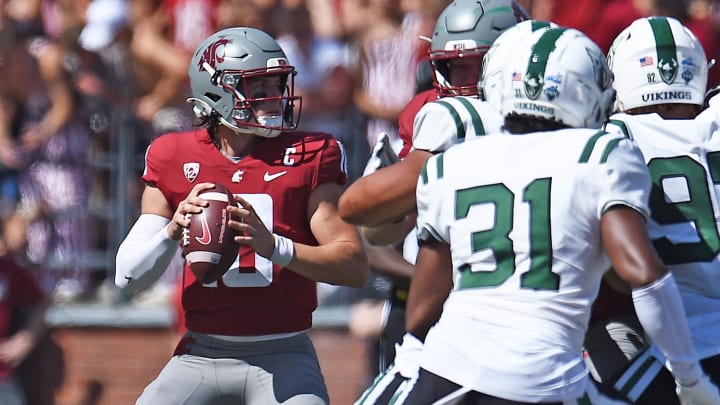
261,130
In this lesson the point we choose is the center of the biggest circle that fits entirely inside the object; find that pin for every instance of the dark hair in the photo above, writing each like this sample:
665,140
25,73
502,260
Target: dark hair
522,123
211,122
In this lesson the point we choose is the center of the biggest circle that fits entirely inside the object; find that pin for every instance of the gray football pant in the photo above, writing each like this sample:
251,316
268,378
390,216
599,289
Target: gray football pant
219,372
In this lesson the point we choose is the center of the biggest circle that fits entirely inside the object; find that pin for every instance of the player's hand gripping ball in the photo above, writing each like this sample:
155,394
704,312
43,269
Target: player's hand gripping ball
208,244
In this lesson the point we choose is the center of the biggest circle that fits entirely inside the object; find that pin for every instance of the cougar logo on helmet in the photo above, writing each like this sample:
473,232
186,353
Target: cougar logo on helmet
213,54
224,68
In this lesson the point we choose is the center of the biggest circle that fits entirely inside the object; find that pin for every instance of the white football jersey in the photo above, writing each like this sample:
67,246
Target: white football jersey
451,120
683,157
522,216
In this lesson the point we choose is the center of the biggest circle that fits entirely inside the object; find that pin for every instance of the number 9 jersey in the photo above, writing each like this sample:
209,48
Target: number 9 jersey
683,157
521,214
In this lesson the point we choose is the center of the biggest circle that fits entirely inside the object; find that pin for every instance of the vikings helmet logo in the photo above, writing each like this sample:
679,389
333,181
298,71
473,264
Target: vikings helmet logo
668,69
533,84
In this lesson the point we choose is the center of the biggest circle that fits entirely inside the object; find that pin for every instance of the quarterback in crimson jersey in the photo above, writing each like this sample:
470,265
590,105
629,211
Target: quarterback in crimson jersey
246,339
276,178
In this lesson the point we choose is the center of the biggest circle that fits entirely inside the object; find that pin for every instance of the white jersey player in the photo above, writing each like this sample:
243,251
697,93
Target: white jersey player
529,222
682,151
437,126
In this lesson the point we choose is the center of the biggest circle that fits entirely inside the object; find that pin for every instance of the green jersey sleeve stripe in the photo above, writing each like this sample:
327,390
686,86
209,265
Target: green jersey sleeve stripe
456,117
589,146
623,127
440,160
609,148
439,167
423,173
476,120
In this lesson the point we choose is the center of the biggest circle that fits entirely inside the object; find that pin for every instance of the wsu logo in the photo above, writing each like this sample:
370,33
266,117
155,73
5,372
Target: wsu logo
213,54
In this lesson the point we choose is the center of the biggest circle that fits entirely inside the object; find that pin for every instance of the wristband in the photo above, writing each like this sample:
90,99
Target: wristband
284,251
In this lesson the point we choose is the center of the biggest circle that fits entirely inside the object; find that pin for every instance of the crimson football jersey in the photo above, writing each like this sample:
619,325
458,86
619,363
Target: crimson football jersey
407,117
255,297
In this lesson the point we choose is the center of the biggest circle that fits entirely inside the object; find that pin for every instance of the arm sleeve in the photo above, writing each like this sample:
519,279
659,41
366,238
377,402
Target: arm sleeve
662,315
145,253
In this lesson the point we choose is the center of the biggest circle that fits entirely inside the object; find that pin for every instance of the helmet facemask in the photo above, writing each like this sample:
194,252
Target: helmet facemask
467,29
222,72
442,76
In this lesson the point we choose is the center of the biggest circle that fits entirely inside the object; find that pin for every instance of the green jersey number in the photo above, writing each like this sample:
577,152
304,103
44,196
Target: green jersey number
497,239
698,208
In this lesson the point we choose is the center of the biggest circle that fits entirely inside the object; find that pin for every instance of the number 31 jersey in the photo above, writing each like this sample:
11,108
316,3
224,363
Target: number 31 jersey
254,297
683,157
521,214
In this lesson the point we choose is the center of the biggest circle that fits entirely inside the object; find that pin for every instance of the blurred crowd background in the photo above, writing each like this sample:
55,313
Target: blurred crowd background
85,85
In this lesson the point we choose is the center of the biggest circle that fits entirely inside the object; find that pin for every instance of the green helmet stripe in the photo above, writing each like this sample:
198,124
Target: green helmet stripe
665,47
456,118
476,120
535,77
536,25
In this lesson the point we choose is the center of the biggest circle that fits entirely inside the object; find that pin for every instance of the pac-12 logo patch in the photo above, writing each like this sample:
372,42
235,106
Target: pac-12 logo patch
191,171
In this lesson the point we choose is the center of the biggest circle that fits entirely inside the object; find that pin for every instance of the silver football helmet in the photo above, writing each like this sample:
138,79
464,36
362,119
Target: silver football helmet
467,28
558,74
219,72
657,60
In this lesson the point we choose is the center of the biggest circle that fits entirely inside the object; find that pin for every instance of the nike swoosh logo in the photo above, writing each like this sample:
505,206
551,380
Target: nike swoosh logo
205,238
271,177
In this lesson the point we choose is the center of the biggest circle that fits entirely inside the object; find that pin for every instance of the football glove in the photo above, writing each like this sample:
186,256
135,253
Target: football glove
407,356
382,155
703,392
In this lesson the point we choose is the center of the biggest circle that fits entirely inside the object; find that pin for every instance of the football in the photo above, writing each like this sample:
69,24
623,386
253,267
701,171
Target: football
208,244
